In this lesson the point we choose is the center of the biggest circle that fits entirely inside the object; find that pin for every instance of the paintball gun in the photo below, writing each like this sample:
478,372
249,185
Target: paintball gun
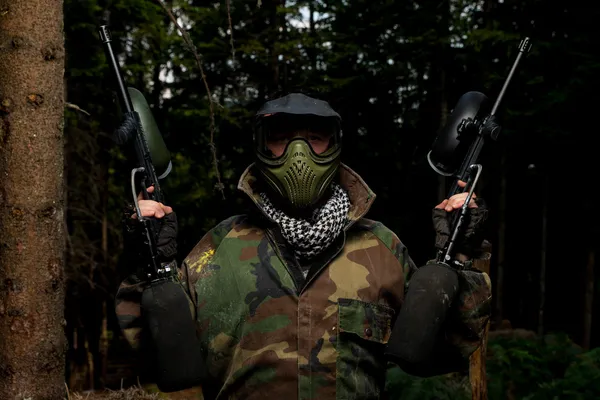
432,289
165,305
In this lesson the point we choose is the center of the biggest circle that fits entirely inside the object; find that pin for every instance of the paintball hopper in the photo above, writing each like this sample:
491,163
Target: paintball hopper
454,140
161,158
179,360
418,328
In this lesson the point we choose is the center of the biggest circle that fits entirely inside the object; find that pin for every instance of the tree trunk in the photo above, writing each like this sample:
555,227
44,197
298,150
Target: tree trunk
589,300
311,50
501,253
32,241
442,194
275,24
477,370
543,255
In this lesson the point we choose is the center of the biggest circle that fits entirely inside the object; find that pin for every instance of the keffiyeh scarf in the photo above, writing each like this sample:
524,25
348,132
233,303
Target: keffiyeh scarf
310,237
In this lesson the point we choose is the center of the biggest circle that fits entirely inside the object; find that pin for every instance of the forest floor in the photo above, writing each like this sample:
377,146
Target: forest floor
121,379
148,392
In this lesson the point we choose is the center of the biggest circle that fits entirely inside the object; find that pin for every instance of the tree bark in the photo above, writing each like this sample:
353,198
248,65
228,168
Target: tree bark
274,26
442,194
543,255
477,370
32,237
501,253
589,300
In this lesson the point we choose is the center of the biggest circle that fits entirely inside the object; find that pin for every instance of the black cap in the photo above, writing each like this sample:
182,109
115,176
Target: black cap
298,103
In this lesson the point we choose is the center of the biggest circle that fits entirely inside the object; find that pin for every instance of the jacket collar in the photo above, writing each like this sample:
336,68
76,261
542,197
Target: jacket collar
360,195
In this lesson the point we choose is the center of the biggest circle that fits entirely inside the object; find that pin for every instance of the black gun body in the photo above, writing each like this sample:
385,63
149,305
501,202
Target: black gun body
144,160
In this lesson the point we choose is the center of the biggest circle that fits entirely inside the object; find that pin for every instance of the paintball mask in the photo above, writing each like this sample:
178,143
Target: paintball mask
297,143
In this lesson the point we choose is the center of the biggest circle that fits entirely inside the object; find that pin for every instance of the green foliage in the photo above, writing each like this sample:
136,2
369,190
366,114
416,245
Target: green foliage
522,366
528,368
581,381
401,386
551,368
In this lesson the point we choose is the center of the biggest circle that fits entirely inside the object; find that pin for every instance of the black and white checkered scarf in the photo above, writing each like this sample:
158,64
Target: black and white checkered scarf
309,238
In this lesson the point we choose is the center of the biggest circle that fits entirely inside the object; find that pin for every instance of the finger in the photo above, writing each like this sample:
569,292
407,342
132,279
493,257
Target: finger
145,208
151,209
451,204
141,194
166,209
456,202
472,203
462,184
442,205
462,196
459,201
158,211
456,199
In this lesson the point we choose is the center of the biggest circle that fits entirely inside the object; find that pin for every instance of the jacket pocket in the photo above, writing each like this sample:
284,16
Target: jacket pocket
363,330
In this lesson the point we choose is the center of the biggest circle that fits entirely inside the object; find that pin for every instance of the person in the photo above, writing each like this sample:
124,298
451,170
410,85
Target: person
296,299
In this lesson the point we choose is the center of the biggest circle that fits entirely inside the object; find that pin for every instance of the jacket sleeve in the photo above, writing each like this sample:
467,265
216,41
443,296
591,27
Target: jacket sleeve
472,308
466,322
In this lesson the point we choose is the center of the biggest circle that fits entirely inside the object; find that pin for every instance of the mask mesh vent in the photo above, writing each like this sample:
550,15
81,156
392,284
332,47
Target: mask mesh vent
299,180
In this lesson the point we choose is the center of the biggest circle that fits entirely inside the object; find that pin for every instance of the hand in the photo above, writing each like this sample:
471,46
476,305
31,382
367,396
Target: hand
151,208
166,245
470,238
457,201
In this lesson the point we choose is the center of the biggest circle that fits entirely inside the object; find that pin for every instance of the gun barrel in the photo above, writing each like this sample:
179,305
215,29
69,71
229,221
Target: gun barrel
524,47
106,38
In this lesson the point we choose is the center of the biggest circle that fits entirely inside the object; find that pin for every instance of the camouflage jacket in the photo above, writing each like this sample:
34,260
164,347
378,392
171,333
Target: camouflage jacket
268,331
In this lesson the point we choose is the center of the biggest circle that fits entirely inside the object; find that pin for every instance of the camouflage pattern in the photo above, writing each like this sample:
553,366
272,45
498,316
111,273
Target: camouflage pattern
267,334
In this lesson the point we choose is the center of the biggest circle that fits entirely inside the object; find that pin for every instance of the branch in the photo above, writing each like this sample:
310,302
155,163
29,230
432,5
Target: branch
228,2
76,107
192,48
